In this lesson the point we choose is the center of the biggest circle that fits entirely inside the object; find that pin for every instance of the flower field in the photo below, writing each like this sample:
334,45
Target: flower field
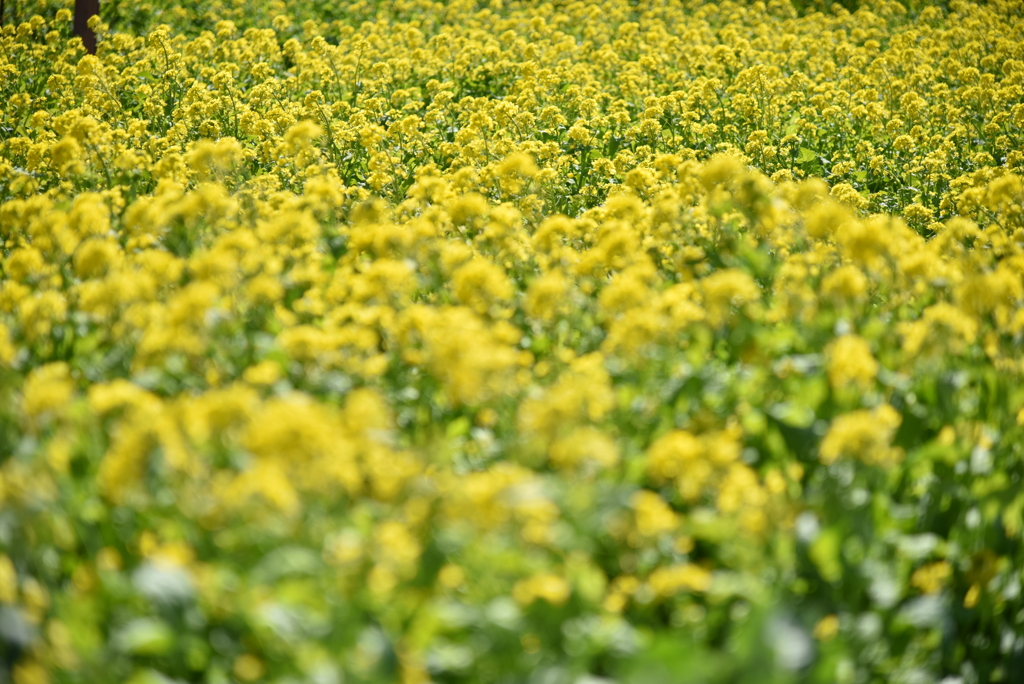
609,342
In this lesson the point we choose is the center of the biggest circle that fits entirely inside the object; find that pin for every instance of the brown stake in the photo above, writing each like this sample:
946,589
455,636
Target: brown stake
83,10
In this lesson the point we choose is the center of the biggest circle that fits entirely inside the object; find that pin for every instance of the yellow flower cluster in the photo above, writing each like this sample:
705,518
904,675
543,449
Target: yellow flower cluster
412,340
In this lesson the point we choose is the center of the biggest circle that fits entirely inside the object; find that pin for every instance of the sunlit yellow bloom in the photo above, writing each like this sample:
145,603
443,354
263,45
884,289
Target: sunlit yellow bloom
47,389
547,587
865,435
932,577
850,362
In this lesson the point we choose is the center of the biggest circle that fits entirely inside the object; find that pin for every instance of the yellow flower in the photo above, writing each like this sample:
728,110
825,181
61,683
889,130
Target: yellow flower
106,397
583,393
628,290
545,586
30,672
301,135
942,321
66,156
47,389
8,580
513,171
584,446
94,257
931,578
304,439
473,361
868,241
481,285
397,547
25,264
726,289
451,576
468,207
669,581
248,667
972,596
827,628
849,361
673,455
825,218
263,373
211,159
7,348
720,169
653,516
89,215
547,296
460,275
846,282
865,435
847,194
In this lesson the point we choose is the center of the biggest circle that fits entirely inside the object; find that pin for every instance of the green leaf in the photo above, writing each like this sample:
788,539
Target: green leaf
284,562
824,552
145,636
806,156
458,427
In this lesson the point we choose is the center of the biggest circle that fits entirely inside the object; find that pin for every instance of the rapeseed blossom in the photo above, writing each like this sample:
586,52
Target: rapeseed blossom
417,341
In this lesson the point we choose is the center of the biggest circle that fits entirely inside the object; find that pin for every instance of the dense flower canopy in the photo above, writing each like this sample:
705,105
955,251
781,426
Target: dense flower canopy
496,342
